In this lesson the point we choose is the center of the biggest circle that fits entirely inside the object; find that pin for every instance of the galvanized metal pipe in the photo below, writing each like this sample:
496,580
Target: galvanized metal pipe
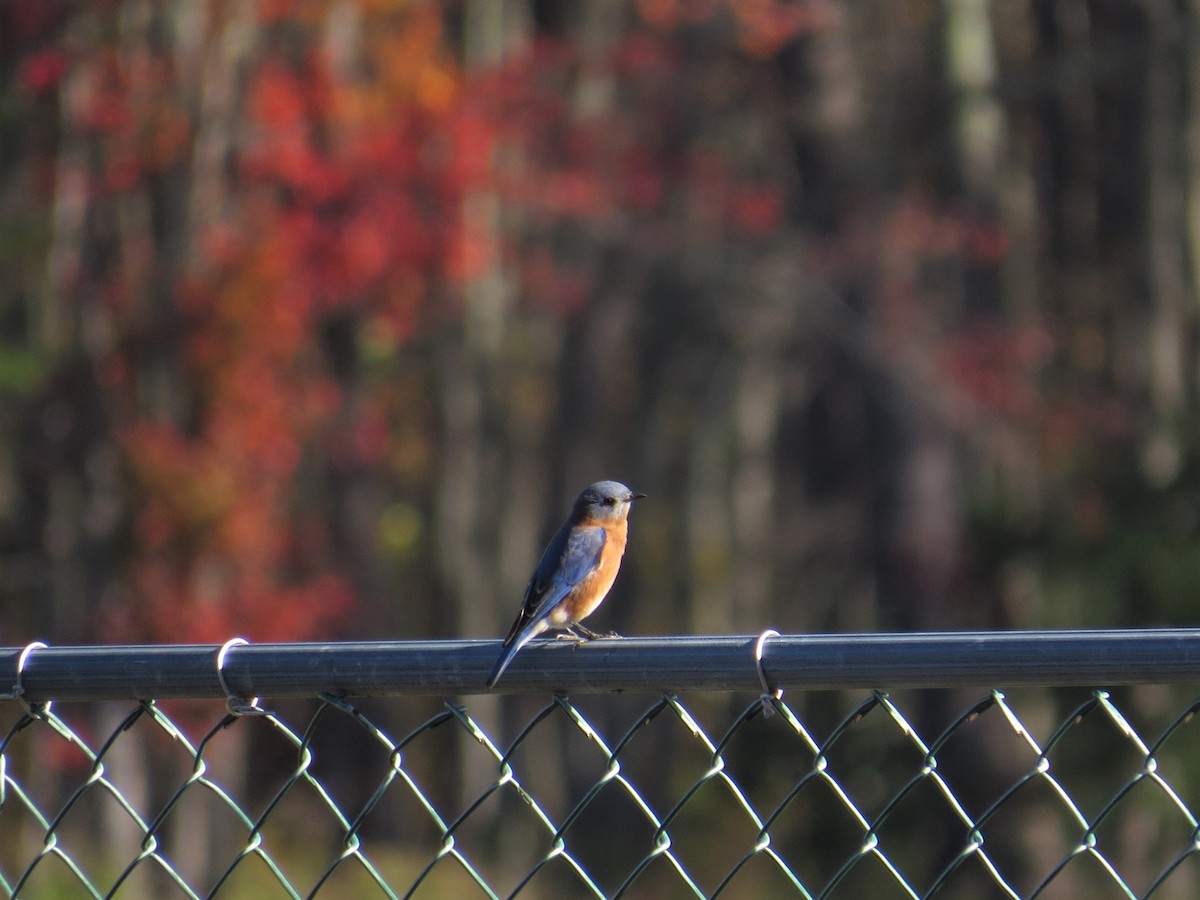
711,663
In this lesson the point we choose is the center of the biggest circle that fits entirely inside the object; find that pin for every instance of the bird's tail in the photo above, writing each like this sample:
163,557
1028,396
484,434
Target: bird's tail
527,634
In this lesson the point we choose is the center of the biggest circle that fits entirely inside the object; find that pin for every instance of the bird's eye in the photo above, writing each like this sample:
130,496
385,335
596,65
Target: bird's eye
610,501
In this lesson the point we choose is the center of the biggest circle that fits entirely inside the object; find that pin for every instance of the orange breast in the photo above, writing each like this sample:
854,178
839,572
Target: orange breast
590,593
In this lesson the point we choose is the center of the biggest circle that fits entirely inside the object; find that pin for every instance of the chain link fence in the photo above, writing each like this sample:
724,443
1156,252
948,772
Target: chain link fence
376,785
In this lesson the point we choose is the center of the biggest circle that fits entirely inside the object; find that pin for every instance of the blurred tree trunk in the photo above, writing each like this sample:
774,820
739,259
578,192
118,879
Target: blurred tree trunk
757,395
1166,230
214,50
473,487
486,509
127,764
1191,170
709,531
979,119
92,235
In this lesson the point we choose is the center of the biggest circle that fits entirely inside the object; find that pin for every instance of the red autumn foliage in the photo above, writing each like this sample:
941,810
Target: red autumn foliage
42,71
345,203
997,368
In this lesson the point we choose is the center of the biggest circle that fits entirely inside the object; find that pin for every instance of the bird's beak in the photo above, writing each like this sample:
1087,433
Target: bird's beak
634,495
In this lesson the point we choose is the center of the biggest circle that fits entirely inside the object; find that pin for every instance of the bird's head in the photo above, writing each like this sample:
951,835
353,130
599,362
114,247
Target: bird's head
605,500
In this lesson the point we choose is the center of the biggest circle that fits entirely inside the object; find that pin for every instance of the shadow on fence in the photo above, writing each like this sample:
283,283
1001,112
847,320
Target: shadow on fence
942,789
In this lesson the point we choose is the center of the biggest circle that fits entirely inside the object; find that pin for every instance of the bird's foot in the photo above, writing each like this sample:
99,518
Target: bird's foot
569,635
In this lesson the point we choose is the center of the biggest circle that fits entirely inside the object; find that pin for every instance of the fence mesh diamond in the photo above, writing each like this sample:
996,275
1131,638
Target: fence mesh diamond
1037,792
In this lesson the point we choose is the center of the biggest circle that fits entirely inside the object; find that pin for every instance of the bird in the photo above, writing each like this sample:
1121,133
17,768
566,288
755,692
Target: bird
576,570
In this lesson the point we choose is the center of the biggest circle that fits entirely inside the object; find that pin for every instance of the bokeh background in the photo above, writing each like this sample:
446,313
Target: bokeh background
316,314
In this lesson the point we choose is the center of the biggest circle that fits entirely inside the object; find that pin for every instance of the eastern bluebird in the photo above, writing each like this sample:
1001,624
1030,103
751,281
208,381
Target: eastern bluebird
576,570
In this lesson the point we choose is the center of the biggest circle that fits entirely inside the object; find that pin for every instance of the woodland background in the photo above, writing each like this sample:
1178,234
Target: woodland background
316,314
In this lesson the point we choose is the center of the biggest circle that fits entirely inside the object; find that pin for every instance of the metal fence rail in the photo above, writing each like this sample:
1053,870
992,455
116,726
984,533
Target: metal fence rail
1044,764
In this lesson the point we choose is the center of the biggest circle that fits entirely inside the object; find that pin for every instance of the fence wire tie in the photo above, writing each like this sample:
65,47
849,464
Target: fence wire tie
769,694
237,706
18,689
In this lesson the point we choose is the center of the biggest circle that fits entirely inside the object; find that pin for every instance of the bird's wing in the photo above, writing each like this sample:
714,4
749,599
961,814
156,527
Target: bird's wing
570,558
